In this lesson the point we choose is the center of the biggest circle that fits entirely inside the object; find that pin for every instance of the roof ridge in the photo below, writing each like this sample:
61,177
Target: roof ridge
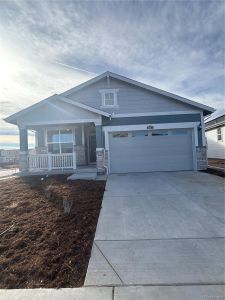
142,85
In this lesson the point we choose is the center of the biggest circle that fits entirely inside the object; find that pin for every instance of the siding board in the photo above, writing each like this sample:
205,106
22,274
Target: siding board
216,149
130,98
55,112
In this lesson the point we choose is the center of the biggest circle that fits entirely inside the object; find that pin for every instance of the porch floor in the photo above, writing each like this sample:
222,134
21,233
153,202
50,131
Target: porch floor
83,175
80,169
88,172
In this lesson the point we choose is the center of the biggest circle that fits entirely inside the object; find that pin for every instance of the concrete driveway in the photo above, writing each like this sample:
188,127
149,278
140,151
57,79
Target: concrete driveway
163,228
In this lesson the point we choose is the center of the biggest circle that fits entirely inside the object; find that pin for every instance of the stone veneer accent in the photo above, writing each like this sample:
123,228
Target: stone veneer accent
201,156
80,154
41,150
100,160
106,158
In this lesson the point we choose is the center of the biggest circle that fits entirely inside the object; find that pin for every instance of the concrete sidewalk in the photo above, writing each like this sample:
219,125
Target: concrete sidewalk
164,228
5,173
91,293
118,293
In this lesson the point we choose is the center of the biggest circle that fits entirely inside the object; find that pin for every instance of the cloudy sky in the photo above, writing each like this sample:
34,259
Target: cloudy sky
47,47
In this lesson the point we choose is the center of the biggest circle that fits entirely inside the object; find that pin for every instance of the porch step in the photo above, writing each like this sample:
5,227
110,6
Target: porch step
80,170
83,175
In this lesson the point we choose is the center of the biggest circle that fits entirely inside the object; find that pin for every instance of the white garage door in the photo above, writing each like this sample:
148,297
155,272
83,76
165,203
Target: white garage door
146,151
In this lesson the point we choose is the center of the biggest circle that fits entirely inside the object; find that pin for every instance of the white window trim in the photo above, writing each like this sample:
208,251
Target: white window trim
221,134
103,92
188,125
60,128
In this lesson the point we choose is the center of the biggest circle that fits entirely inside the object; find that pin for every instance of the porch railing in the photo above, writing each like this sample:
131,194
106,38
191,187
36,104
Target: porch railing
52,161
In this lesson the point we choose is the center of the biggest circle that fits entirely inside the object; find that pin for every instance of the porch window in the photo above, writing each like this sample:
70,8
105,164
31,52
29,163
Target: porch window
60,141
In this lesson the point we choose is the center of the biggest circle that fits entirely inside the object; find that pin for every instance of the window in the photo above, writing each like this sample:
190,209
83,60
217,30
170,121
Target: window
159,133
60,141
120,134
219,134
109,97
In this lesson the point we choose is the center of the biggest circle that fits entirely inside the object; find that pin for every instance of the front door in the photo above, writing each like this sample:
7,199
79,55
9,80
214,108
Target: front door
92,148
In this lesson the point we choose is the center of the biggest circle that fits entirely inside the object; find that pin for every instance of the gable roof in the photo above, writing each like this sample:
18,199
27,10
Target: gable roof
217,114
205,108
13,118
63,97
84,106
215,120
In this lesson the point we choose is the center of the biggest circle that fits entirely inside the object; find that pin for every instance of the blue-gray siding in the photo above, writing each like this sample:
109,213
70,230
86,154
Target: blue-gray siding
23,140
155,120
130,98
57,113
99,137
151,119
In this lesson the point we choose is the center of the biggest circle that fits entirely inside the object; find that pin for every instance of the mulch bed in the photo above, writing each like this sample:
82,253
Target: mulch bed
41,246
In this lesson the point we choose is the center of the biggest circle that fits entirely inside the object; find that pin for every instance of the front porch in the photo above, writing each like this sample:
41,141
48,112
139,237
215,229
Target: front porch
62,149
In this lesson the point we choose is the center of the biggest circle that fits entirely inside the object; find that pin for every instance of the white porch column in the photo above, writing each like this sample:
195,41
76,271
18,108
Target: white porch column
23,161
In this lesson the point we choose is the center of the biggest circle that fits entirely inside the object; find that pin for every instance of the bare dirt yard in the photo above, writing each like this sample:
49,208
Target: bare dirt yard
216,167
41,245
219,163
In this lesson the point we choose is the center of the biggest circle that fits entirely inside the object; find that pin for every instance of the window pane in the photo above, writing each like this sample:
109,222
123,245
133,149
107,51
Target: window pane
219,134
120,134
159,133
67,148
54,148
109,98
66,136
53,136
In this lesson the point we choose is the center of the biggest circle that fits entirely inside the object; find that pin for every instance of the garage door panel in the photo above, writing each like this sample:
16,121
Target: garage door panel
140,153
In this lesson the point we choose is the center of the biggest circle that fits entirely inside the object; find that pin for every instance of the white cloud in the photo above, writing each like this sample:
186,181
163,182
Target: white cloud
26,81
174,45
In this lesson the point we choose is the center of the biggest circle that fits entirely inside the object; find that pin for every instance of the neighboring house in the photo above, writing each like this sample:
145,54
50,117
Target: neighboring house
117,123
215,133
9,156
